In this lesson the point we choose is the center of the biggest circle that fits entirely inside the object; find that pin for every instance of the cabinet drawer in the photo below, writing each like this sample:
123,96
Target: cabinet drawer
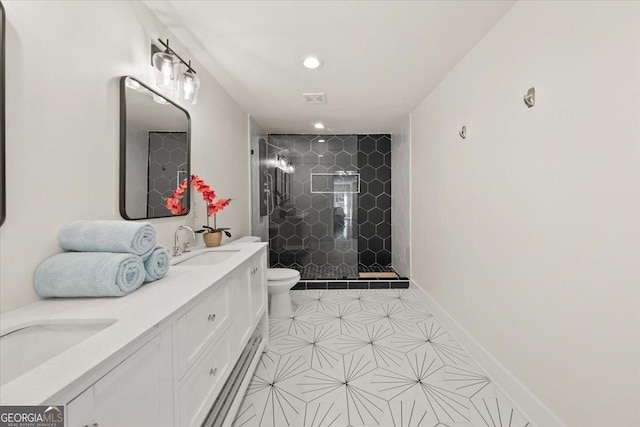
198,325
201,387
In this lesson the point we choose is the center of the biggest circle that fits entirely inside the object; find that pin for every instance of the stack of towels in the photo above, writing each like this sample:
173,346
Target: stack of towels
109,259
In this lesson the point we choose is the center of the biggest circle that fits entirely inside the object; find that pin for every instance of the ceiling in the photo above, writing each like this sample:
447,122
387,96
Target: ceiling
381,58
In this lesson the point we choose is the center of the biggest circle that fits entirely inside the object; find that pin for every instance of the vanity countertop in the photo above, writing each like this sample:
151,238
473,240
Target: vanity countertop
136,316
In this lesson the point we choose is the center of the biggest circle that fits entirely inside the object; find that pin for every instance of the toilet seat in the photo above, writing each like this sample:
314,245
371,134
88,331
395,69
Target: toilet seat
277,274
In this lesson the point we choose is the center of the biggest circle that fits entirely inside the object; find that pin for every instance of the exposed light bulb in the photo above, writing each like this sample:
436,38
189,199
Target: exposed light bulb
166,66
188,87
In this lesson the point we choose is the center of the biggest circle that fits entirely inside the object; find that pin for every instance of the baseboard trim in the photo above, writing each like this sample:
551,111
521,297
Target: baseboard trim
526,402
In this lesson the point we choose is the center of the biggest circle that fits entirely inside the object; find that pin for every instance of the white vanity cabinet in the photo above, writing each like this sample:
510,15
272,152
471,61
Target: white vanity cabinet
168,356
138,392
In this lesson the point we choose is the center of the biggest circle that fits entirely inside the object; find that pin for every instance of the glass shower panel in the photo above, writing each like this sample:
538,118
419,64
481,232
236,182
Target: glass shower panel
313,227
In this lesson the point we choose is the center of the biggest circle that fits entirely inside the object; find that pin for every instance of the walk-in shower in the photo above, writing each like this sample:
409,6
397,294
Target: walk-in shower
328,200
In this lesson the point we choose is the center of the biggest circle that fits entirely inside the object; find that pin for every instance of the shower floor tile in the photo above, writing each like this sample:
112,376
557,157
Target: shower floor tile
323,272
356,358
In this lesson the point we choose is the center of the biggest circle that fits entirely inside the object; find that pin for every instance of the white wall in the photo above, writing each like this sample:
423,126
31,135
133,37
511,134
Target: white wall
400,196
64,61
528,232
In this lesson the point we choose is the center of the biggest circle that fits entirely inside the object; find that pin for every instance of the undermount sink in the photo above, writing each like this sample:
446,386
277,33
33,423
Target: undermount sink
208,257
27,348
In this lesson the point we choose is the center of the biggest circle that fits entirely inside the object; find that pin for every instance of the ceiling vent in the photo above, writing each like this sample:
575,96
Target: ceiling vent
315,98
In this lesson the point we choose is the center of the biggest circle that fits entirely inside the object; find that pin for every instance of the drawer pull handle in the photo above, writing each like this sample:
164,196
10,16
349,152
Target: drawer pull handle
211,317
213,372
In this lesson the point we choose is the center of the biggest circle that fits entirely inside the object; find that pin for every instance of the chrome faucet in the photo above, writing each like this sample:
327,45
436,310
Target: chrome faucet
177,251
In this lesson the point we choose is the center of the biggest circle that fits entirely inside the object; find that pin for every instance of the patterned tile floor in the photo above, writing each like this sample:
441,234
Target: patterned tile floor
369,358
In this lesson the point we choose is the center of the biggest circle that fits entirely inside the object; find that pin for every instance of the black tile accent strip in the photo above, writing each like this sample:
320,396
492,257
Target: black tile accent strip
359,285
316,285
337,285
300,286
379,285
400,284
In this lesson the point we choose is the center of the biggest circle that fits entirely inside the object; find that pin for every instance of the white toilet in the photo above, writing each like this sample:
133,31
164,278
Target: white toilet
279,282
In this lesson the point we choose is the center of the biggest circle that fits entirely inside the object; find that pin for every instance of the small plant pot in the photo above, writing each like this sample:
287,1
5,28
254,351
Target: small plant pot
212,239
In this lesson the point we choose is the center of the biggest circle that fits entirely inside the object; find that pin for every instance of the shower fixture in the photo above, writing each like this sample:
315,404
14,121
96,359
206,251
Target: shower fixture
268,190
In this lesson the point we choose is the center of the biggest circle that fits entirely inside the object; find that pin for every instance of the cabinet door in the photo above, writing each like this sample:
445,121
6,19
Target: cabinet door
80,411
242,307
258,287
139,391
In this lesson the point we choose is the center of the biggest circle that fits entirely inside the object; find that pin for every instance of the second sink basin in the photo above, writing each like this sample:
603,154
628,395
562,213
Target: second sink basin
26,348
208,257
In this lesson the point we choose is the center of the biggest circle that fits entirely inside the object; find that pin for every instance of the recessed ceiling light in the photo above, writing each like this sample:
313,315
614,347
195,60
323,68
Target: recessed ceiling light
318,125
311,62
321,140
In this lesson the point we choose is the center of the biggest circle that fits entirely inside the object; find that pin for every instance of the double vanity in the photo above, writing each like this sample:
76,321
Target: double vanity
177,352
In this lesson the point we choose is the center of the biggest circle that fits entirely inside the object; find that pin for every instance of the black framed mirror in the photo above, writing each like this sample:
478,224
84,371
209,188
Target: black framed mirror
155,151
3,208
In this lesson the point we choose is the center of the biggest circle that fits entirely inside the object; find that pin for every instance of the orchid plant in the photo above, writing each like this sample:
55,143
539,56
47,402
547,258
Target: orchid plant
176,207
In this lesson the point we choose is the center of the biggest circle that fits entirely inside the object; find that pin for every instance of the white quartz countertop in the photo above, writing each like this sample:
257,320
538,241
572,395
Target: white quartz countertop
137,315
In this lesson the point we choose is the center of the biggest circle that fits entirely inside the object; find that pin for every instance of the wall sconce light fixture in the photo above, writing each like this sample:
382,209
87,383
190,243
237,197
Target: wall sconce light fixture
167,71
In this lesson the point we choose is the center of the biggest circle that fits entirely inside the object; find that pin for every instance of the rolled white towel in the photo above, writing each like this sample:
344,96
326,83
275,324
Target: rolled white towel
89,274
138,238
